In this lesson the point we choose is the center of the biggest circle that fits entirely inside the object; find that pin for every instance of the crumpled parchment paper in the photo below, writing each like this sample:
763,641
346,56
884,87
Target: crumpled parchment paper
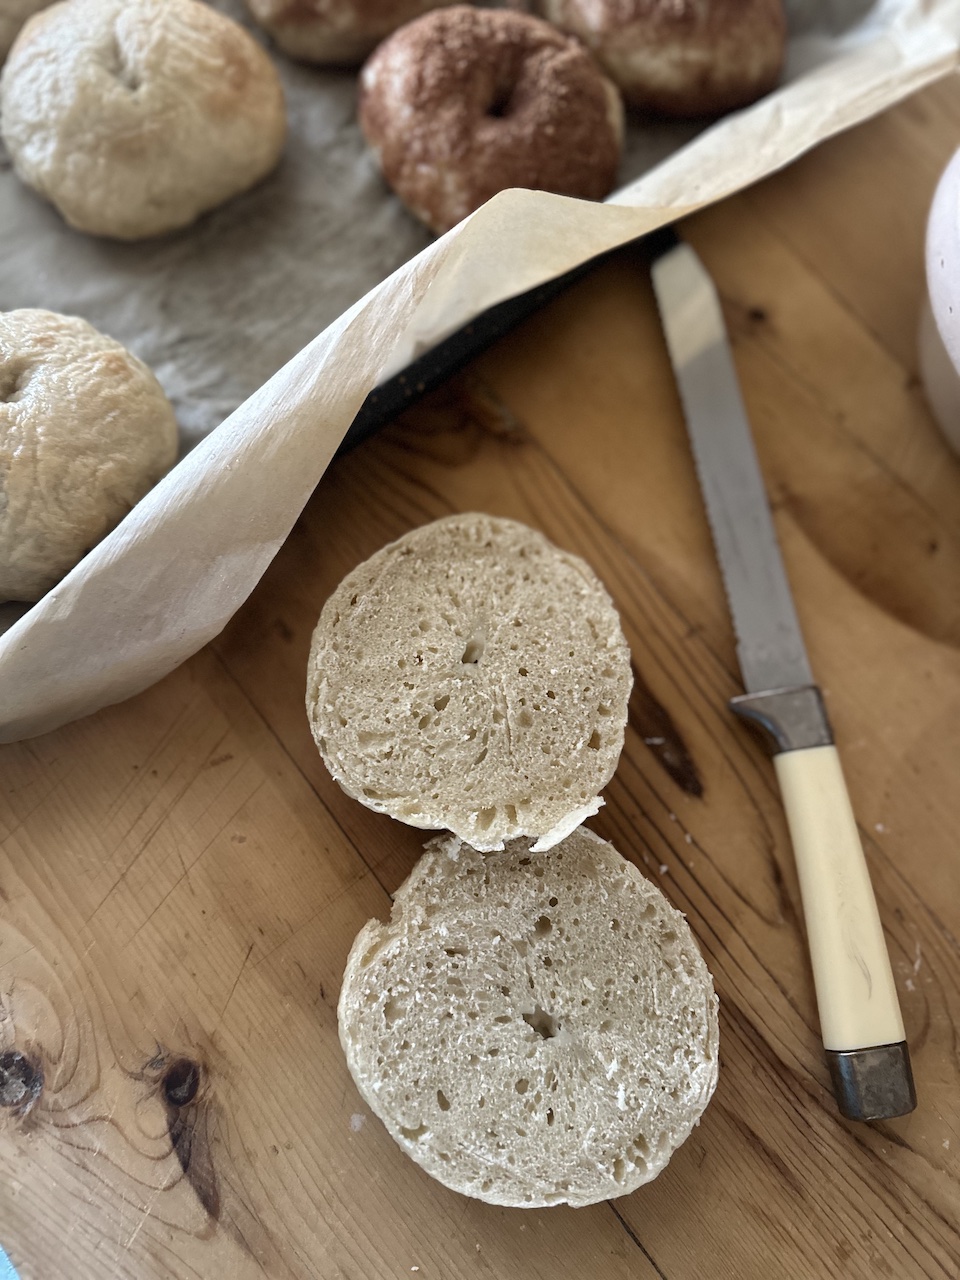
217,308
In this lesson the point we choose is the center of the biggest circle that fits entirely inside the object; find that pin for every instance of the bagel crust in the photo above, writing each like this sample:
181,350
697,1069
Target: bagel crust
85,431
680,57
466,102
472,677
133,117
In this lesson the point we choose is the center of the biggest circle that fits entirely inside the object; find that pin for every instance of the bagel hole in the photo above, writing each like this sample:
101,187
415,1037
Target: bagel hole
12,382
121,70
502,100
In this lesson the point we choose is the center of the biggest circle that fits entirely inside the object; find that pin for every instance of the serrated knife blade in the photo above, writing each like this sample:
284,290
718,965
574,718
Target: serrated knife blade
770,646
856,995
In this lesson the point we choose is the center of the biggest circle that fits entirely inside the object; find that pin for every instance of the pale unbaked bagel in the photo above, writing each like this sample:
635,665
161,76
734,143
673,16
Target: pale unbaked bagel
466,102
335,32
133,117
680,57
532,1029
85,431
472,677
13,14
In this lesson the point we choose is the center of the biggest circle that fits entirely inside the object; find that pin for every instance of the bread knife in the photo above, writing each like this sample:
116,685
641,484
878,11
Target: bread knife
860,1020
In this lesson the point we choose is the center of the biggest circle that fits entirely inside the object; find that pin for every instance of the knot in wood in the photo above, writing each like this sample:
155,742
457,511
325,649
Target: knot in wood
21,1081
181,1080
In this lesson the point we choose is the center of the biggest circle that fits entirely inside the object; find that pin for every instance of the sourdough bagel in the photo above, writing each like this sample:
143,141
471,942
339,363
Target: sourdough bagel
335,32
85,431
680,57
471,677
532,1029
133,117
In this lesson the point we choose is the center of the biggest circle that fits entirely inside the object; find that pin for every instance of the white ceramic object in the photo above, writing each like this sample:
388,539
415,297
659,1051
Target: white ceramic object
939,337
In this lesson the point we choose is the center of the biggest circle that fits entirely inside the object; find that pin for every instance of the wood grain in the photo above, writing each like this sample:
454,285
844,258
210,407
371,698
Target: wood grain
180,880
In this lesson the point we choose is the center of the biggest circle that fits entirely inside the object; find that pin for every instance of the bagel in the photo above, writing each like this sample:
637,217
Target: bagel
532,1029
85,431
334,32
472,677
680,57
464,103
133,117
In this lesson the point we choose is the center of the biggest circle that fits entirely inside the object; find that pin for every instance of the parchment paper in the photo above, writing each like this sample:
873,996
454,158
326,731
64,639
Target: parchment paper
217,308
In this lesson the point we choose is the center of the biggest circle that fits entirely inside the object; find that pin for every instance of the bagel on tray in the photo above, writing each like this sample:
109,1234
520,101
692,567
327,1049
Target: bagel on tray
463,103
133,117
681,58
85,431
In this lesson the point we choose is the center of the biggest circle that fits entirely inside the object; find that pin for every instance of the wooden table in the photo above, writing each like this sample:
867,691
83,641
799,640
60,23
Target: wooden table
180,880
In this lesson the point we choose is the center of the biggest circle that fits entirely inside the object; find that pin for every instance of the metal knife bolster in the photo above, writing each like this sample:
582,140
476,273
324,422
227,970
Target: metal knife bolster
791,719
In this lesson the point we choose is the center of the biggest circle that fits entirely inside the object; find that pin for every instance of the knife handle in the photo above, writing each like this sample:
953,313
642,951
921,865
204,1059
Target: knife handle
860,1016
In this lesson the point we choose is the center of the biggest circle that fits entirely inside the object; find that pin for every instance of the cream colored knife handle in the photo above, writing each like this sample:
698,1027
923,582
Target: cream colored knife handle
859,1012
856,994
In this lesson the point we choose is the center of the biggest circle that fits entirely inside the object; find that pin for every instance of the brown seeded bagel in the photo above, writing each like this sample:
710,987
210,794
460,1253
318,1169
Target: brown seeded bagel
467,102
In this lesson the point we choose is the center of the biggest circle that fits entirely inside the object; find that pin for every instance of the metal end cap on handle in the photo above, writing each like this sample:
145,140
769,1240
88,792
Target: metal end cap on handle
875,1083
